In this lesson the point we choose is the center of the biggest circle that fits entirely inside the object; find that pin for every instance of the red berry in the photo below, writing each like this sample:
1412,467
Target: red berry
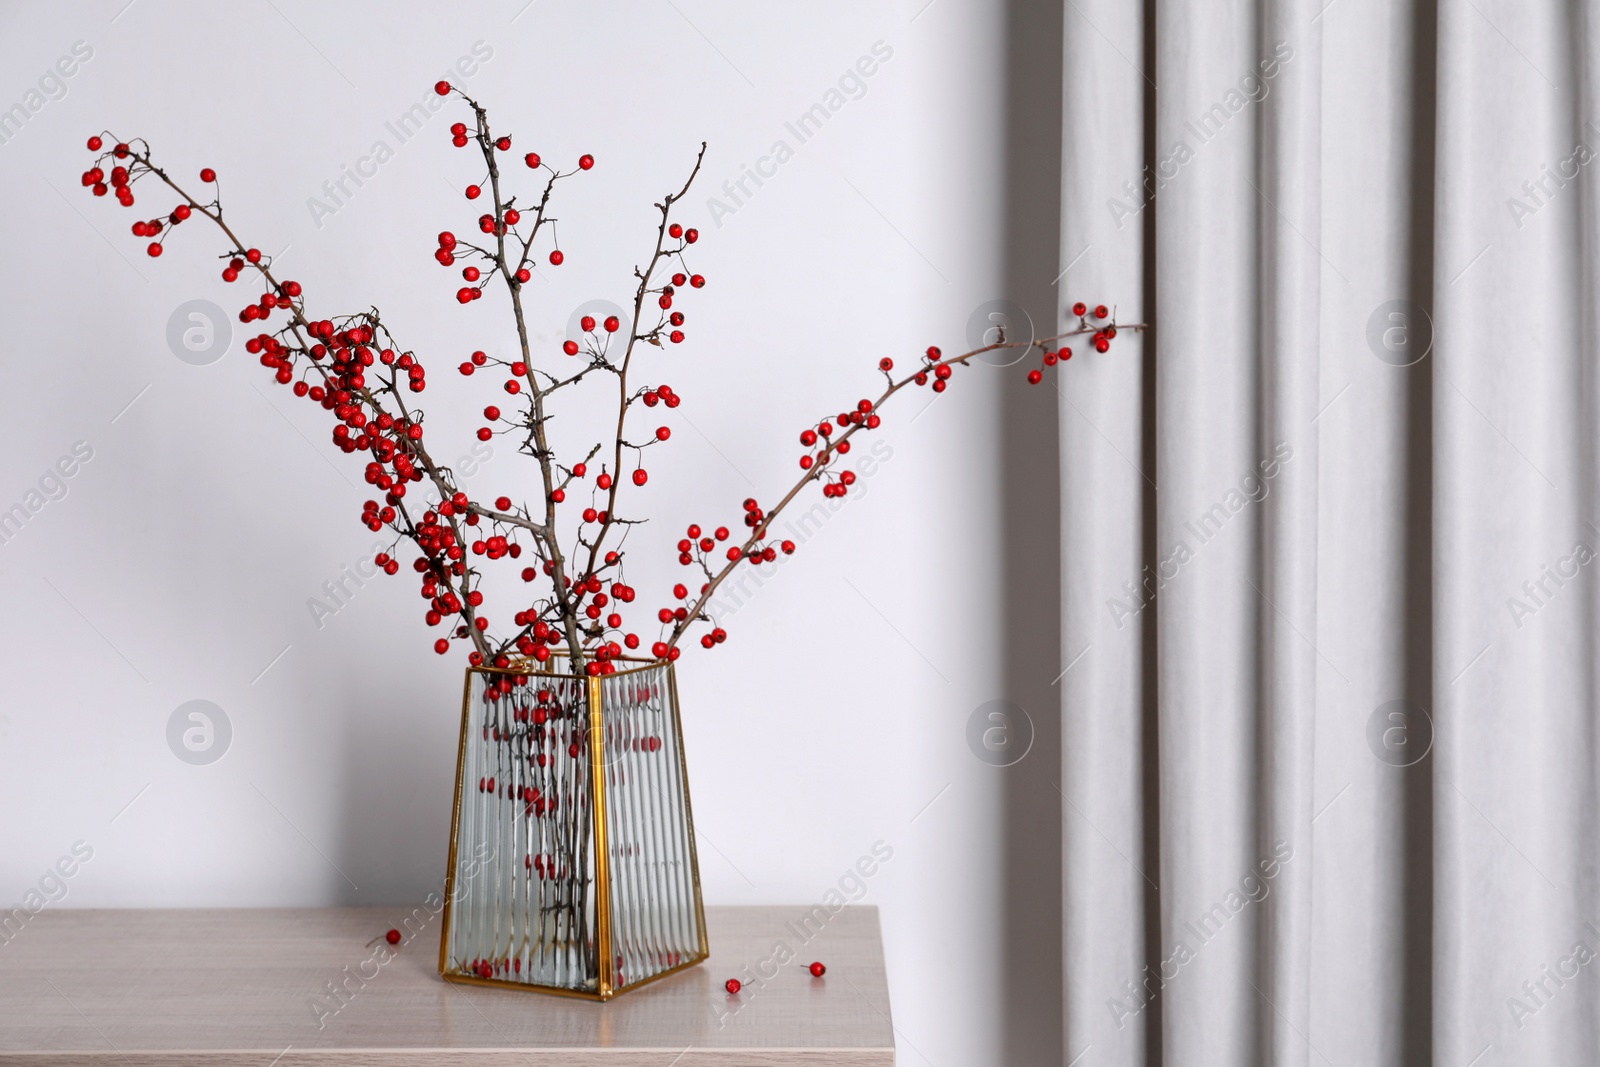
886,364
698,281
556,257
585,162
732,986
441,646
504,144
531,159
1101,344
662,433
817,970
393,937
95,144
1035,377
1080,308
154,249
442,88
613,324
1100,312
473,192
691,235
523,275
208,175
640,476
491,412
570,348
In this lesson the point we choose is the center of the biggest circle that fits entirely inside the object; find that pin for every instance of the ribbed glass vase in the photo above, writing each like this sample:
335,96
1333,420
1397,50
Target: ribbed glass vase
572,850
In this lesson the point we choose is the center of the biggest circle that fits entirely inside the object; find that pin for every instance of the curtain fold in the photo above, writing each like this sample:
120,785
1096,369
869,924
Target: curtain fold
1329,534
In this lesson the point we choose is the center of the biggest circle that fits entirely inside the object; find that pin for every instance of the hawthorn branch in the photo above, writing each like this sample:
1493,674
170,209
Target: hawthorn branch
749,550
300,328
624,401
566,605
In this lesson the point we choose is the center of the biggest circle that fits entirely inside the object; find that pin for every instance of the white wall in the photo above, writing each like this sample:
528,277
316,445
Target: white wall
180,562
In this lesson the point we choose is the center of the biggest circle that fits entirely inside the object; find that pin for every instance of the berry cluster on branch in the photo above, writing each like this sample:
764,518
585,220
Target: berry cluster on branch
354,368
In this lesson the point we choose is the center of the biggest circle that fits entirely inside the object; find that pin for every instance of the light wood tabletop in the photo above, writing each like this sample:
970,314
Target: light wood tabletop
256,988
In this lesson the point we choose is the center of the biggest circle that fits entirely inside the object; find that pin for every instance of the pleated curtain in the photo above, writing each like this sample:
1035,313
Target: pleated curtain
1330,534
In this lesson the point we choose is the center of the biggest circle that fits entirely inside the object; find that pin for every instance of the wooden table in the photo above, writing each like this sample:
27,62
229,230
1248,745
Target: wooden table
251,988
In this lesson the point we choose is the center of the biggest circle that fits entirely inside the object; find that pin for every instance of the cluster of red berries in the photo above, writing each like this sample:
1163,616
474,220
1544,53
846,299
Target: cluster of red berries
934,369
126,168
822,450
496,224
700,546
1101,340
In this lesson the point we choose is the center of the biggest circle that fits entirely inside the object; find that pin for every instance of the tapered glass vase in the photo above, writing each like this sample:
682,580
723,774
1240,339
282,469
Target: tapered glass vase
572,851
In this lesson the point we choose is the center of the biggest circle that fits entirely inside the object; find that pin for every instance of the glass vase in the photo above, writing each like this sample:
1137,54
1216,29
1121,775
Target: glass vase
572,852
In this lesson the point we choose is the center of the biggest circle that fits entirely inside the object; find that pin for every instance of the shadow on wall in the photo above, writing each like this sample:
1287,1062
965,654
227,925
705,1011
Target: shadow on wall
1032,990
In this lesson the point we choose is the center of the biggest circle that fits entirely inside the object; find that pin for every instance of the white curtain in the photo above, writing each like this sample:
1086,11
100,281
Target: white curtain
1330,534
